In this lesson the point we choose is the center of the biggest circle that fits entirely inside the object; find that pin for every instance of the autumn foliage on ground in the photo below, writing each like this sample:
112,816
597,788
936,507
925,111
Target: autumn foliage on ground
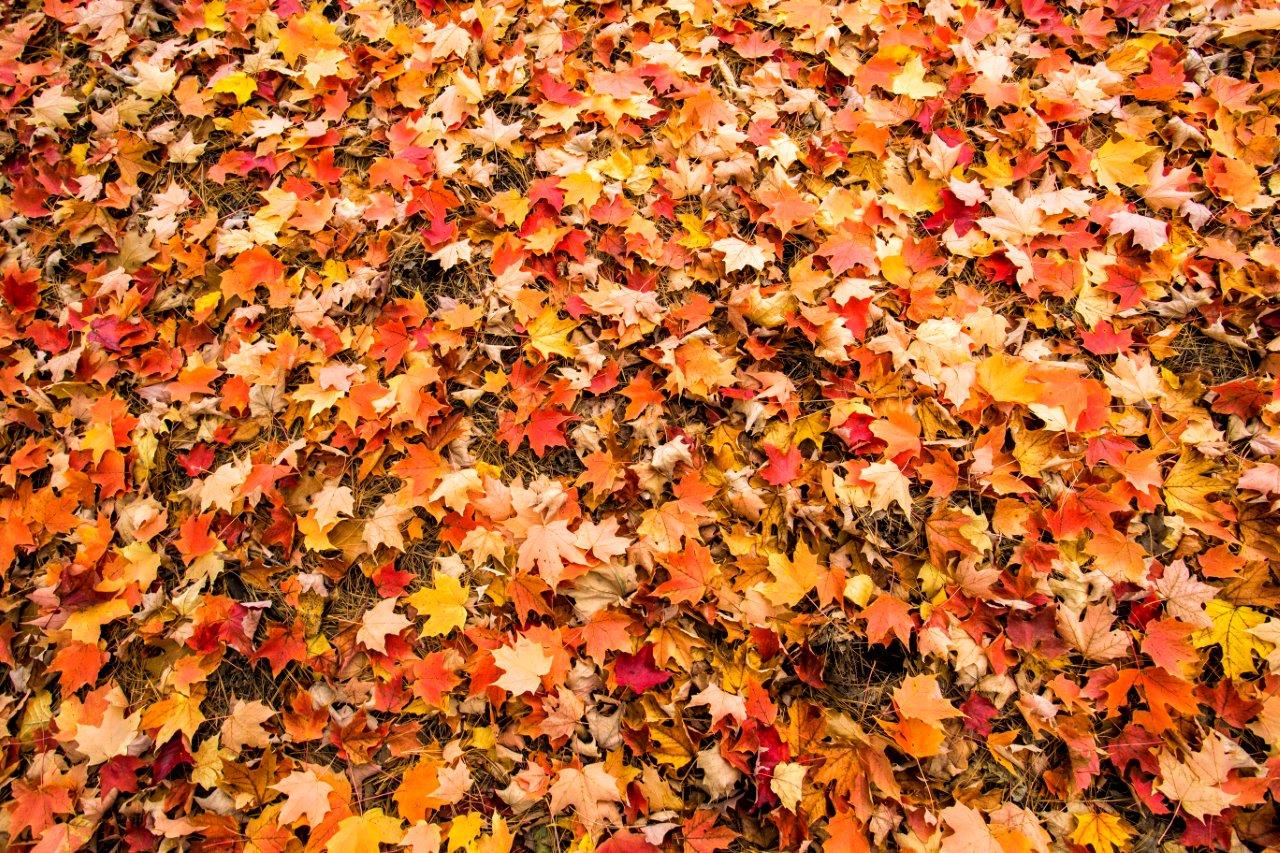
646,426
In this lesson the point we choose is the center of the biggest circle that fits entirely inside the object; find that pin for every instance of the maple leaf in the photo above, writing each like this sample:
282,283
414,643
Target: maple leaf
492,133
794,577
306,796
331,503
1187,488
456,488
1195,783
243,726
720,703
638,671
969,831
890,486
382,527
378,623
1166,643
1231,631
921,711
34,807
51,107
366,833
1147,232
1091,634
956,530
237,83
739,254
786,209
64,836
590,791
20,288
783,467
1117,163
545,430
564,713
910,81
1101,832
920,697
692,571
701,835
523,665
444,604
1016,220
1250,22
178,712
549,335
720,777
151,80
888,615
602,539
109,737
787,783
1185,597
547,547
1167,190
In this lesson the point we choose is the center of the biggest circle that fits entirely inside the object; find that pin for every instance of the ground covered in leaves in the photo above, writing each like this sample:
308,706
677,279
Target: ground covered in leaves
640,426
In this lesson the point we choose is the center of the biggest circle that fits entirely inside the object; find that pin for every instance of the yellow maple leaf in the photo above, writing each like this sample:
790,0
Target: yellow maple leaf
444,603
545,237
910,82
1230,632
523,665
695,237
1117,163
307,34
795,577
1187,488
239,84
549,335
85,626
1006,379
670,747
581,188
513,206
998,169
109,737
465,830
499,840
364,833
1102,832
788,783
99,438
180,712
215,13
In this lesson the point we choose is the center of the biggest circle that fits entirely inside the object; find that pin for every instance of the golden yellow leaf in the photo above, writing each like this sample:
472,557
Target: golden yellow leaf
581,188
1117,163
239,84
695,237
794,577
1187,487
180,712
1102,832
1230,632
443,603
549,335
365,833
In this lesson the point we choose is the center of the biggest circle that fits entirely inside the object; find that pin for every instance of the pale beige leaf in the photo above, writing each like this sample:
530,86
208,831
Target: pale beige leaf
522,665
306,796
380,622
